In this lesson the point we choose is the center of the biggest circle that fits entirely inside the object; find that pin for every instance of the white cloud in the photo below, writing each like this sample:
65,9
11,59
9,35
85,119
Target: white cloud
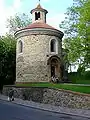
6,12
16,4
55,20
2,17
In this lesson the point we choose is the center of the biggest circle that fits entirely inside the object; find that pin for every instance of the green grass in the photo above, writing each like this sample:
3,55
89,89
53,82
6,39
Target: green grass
76,88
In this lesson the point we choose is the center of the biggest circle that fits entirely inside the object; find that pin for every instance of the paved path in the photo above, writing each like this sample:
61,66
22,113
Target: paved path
49,108
11,111
77,84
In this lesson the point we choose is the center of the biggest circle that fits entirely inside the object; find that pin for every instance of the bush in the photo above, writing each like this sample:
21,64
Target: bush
77,77
86,75
7,60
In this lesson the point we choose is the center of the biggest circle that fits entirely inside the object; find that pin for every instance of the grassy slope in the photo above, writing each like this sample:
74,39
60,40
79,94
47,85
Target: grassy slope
76,78
76,88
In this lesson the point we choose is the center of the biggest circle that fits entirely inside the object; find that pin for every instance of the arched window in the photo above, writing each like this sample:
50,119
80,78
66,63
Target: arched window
37,15
53,45
20,46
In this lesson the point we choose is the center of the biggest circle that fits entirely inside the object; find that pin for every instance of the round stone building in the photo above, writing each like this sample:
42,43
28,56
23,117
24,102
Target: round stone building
39,50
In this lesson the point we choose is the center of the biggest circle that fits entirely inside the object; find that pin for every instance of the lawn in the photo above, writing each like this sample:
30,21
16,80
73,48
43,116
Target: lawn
76,88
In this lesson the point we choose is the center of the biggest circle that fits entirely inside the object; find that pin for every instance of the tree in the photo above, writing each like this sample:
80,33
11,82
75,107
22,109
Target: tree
7,59
77,32
8,49
84,31
17,22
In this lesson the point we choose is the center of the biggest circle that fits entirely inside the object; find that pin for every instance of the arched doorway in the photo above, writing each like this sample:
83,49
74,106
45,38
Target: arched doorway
55,67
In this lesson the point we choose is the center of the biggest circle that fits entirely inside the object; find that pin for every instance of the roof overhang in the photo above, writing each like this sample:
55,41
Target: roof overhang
38,31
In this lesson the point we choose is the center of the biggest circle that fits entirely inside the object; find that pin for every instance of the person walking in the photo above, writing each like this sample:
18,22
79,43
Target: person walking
11,95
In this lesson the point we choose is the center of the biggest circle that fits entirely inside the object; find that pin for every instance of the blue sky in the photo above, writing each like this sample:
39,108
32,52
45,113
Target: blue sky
57,5
56,10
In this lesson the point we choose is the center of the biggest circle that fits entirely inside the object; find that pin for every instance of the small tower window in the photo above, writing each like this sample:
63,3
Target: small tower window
20,46
53,45
37,15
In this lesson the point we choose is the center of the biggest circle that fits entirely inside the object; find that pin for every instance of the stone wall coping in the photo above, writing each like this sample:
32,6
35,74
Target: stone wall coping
68,91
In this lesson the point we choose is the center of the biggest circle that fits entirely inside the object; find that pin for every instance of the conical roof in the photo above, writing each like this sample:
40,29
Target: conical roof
39,25
39,8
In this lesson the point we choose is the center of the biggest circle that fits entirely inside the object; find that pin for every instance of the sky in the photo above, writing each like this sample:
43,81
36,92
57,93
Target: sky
56,10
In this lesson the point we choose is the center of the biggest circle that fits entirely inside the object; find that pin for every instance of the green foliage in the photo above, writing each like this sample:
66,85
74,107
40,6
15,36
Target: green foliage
7,59
80,77
17,22
81,69
77,32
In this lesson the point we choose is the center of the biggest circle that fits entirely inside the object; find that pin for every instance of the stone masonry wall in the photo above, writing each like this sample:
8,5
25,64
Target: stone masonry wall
56,97
31,64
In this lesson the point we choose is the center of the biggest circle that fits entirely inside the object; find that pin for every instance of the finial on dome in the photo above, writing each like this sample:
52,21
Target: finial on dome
39,1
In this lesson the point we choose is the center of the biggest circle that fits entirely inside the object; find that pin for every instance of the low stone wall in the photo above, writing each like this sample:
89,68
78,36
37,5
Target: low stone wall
56,97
